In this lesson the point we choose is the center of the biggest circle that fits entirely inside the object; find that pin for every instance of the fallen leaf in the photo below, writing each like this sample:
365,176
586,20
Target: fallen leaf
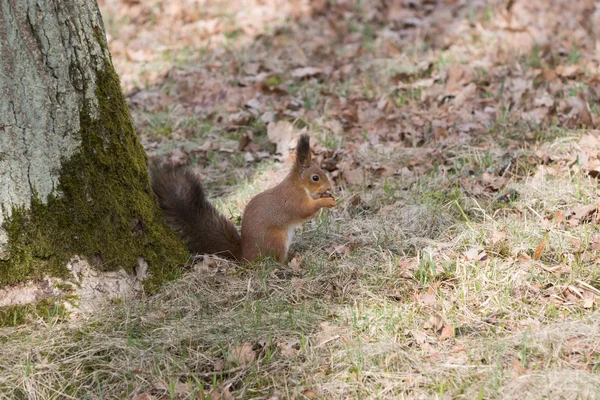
580,114
447,332
576,345
306,72
243,354
588,302
144,396
281,134
240,118
595,241
475,254
309,393
420,337
354,176
427,299
497,236
457,76
295,264
219,365
435,322
539,250
518,367
338,250
251,68
220,393
177,157
289,348
568,71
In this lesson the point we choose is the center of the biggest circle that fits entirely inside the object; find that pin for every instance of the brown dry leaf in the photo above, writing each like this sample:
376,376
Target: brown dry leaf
267,117
576,345
558,270
251,68
219,365
383,170
539,250
390,207
177,158
582,214
559,217
497,236
586,213
338,250
457,76
309,393
592,168
306,72
595,241
220,393
281,134
570,295
354,176
435,322
243,354
544,99
447,332
420,337
207,146
538,115
295,264
466,93
475,254
240,118
180,389
568,71
249,157
427,299
244,140
289,348
590,141
518,367
144,396
580,114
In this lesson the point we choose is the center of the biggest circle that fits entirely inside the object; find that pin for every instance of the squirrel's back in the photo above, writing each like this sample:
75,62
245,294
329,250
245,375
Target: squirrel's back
187,211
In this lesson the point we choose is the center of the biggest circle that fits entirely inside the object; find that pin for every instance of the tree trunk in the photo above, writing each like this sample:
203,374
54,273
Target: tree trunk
73,176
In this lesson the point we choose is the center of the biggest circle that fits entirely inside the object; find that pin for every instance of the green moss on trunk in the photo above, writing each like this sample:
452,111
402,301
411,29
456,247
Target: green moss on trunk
104,208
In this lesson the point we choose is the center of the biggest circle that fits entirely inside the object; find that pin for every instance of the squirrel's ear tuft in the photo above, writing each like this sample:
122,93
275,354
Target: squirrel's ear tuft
303,154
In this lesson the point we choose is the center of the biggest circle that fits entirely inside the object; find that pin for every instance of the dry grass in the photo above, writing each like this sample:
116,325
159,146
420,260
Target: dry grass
347,325
415,286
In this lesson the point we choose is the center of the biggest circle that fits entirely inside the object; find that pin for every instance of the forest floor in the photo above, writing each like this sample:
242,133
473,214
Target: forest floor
463,258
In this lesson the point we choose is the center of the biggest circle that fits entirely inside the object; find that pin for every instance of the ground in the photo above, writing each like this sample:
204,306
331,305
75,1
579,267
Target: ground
463,258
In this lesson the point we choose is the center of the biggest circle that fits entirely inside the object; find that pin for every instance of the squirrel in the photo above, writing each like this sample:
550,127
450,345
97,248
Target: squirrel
269,219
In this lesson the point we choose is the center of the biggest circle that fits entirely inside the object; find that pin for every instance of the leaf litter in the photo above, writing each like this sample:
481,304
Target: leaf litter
462,138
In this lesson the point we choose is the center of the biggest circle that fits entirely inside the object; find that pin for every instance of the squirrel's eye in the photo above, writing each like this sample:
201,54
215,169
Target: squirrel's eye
315,178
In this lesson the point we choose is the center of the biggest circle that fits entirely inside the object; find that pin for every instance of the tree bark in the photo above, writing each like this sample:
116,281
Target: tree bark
73,176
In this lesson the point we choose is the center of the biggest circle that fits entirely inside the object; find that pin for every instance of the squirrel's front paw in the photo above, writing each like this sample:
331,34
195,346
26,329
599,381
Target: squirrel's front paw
328,202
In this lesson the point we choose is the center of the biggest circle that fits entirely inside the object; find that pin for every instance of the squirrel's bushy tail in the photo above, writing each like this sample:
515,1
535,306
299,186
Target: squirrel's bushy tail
187,211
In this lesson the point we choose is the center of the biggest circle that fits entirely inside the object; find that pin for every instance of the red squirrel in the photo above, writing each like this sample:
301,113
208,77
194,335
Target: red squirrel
269,218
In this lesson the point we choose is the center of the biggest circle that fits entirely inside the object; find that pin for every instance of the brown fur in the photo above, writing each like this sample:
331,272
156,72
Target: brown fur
187,211
271,214
270,217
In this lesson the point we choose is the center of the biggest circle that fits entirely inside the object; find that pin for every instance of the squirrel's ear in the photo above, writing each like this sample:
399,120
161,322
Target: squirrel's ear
303,153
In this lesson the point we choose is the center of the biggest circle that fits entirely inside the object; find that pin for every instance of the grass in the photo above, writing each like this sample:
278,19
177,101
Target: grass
451,278
352,324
